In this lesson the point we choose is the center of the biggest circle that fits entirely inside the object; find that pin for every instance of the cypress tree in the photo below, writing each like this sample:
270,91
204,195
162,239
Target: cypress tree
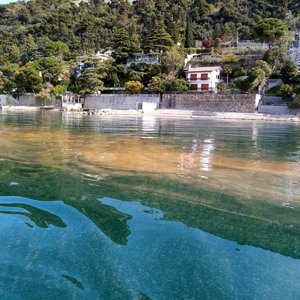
189,35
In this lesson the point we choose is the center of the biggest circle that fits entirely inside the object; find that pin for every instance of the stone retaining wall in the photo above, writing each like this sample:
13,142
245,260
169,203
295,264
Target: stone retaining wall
240,103
8,100
27,100
118,102
276,110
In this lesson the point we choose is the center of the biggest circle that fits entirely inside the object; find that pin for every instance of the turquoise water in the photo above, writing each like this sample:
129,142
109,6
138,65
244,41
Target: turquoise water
146,208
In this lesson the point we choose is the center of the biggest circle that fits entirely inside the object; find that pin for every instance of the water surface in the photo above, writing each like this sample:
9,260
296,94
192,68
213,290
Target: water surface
148,208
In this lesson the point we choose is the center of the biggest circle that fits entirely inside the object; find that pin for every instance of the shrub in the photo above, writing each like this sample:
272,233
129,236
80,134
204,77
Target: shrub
157,84
134,87
208,43
43,98
58,90
295,104
297,89
289,71
221,87
286,90
229,59
264,66
179,85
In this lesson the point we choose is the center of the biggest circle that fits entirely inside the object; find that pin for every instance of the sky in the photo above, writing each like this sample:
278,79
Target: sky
7,1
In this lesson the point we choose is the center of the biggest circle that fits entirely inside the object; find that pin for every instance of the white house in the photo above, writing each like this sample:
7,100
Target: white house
203,78
103,55
146,58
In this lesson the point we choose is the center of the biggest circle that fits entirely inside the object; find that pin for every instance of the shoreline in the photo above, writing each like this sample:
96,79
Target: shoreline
169,113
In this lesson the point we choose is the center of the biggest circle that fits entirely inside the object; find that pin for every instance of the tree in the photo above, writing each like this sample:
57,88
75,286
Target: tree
89,82
289,71
264,66
7,78
28,79
273,31
14,53
274,57
201,9
124,45
242,84
50,68
134,87
136,75
286,91
157,84
43,98
158,40
227,70
30,44
58,49
173,60
189,35
179,85
256,79
295,104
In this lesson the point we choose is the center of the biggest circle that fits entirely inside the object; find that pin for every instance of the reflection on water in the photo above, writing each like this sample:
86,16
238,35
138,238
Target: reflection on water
199,192
40,217
163,259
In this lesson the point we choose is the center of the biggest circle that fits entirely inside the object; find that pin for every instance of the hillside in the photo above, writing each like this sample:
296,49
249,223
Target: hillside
49,46
91,26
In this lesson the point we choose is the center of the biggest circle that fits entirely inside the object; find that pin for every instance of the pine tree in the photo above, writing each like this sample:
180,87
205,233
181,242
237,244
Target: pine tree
124,45
159,40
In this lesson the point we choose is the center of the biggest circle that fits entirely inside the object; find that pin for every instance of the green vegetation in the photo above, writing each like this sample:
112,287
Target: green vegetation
289,71
273,31
274,91
134,87
43,42
286,90
295,103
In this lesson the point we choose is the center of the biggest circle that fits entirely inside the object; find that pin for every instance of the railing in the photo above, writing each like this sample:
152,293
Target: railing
199,78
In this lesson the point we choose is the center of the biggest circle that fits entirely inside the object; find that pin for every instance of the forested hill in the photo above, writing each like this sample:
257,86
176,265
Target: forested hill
95,25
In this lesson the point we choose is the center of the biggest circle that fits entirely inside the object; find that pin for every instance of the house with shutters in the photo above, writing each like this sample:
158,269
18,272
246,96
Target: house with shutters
203,79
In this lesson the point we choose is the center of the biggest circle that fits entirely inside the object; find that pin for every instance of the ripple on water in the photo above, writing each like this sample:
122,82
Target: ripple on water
163,259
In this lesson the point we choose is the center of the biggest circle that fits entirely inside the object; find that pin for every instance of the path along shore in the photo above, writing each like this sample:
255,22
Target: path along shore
173,113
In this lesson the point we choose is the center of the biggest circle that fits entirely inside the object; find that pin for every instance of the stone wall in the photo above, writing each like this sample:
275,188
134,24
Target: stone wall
27,100
276,110
8,100
118,101
272,100
240,103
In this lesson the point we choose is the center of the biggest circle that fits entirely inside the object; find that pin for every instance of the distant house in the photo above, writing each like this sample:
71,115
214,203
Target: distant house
103,55
97,56
146,58
203,79
194,58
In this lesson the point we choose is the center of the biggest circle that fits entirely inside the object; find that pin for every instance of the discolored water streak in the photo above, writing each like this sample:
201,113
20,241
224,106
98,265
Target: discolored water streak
206,209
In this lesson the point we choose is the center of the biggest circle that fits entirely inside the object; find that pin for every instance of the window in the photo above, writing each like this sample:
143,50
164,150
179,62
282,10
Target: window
194,87
193,76
204,76
204,87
